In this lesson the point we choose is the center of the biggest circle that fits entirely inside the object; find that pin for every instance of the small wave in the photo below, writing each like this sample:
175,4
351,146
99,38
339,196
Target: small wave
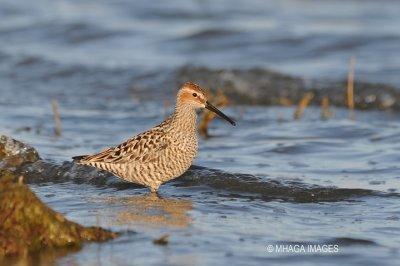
232,185
249,186
341,241
74,33
82,32
210,33
348,241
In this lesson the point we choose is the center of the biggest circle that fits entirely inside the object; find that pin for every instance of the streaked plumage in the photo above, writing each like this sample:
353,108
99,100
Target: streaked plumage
162,153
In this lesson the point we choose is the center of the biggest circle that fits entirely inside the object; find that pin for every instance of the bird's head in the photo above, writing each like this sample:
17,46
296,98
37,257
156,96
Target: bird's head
192,95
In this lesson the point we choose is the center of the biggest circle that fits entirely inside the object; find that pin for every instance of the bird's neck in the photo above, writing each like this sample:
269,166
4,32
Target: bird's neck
184,118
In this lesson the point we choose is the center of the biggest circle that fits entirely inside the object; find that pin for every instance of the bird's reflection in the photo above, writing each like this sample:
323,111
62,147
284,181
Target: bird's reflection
150,209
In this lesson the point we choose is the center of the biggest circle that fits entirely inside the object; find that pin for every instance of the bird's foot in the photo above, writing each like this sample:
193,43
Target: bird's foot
154,192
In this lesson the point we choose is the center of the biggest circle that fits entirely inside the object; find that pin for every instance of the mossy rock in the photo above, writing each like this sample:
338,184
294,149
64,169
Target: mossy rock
27,225
14,153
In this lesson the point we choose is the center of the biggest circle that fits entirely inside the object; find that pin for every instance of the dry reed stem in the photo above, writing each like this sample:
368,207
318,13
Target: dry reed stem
326,113
220,101
304,102
350,85
167,104
57,117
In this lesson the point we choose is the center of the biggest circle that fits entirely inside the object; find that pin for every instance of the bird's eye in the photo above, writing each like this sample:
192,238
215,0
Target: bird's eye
194,94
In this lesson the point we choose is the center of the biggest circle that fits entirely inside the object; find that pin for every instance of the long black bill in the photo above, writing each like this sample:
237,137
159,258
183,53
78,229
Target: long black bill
214,109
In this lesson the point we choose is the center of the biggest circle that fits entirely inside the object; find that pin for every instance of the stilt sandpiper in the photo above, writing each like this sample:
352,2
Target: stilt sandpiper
162,153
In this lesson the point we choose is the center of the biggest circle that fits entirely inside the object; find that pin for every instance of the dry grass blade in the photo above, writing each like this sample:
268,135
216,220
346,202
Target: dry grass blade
57,117
304,102
167,104
350,85
326,113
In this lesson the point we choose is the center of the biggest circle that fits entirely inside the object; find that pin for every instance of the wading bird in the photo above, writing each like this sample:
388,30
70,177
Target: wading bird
162,153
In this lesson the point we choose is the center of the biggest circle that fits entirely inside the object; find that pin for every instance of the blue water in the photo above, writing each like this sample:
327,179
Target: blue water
87,54
306,38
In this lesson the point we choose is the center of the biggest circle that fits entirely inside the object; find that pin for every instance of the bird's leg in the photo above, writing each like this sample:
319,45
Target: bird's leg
154,194
154,190
154,187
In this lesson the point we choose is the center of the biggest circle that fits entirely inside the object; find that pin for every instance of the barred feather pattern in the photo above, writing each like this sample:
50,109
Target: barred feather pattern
155,156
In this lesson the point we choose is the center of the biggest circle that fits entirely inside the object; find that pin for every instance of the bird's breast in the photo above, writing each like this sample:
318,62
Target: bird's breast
185,145
181,151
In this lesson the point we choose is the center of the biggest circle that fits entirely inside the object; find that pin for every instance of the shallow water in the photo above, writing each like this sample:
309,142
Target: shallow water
226,219
308,181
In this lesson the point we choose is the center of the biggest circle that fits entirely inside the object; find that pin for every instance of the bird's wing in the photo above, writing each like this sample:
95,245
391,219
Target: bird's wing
145,147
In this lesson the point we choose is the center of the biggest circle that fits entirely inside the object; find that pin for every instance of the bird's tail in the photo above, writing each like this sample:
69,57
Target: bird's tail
79,158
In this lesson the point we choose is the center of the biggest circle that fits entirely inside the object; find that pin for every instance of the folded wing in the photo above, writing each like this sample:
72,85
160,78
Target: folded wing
143,148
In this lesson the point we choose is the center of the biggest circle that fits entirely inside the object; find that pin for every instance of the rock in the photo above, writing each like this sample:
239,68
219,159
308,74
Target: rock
27,225
162,241
14,153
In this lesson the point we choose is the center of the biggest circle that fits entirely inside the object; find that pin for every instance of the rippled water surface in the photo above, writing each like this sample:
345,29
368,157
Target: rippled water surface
308,38
232,221
307,181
